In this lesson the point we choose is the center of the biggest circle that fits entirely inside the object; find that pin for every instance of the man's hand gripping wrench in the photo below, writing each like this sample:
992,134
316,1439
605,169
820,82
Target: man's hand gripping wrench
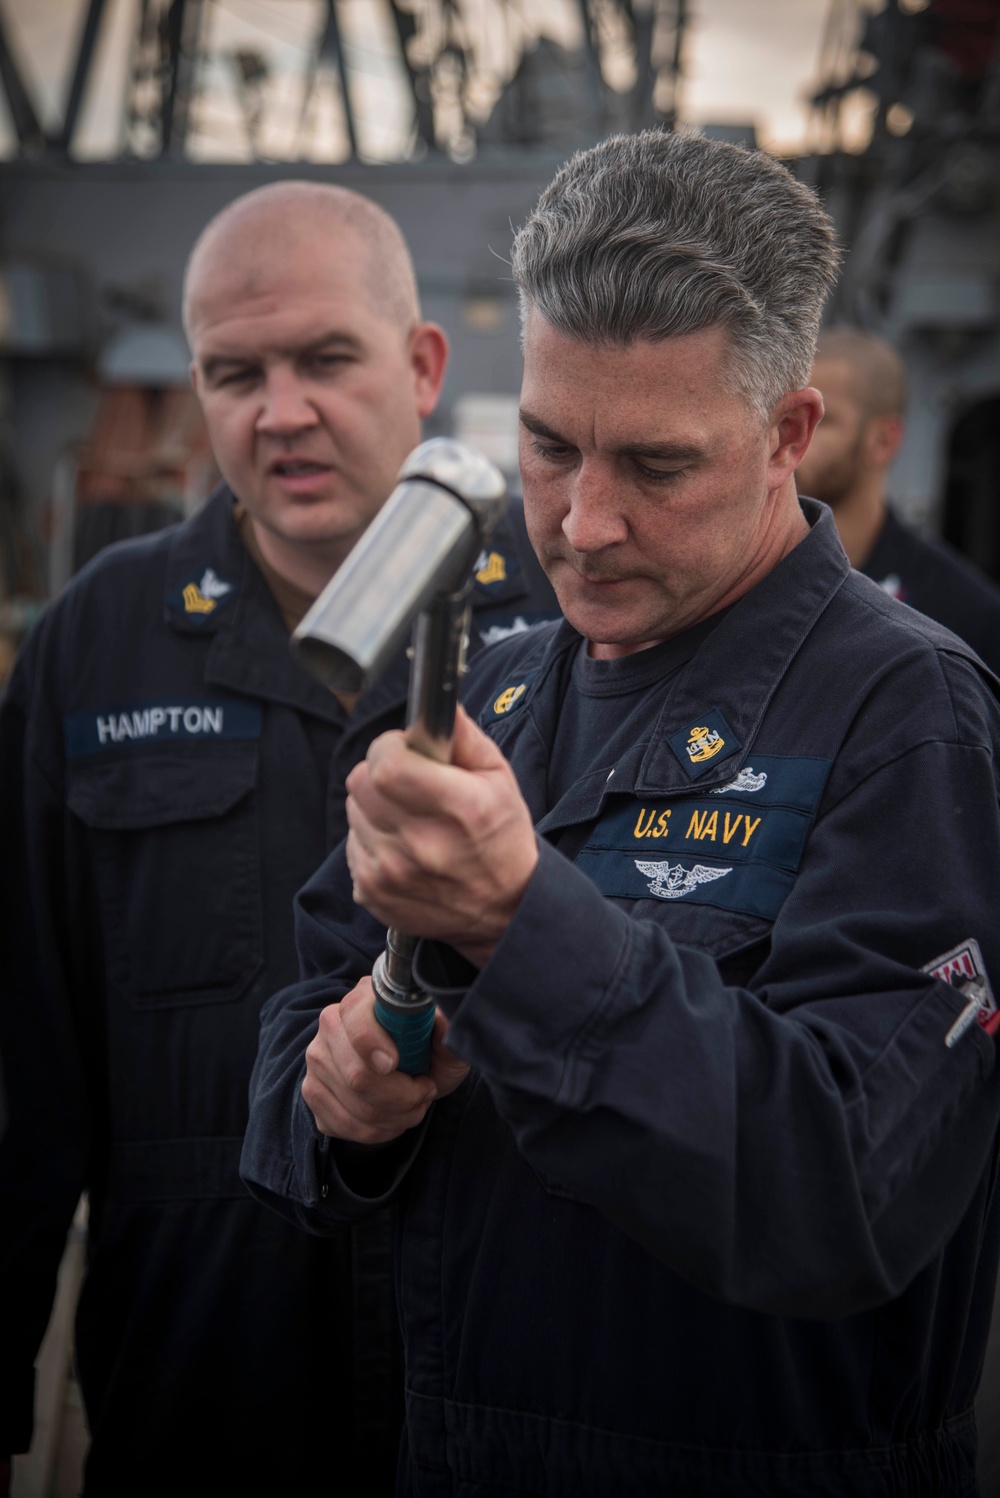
415,562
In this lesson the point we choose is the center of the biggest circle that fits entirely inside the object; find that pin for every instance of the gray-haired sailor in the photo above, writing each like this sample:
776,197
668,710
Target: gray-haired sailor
704,1203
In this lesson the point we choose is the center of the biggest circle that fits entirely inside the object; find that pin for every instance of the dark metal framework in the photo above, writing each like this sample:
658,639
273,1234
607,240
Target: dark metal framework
932,71
936,60
447,66
920,209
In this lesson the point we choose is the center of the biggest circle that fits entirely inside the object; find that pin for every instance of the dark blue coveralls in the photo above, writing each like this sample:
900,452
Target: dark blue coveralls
939,581
169,777
714,1213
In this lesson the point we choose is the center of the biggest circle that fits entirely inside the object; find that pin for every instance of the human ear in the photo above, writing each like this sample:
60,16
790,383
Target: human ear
793,421
428,354
884,438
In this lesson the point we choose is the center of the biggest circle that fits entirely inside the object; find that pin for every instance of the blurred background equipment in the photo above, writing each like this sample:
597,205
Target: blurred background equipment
126,124
916,85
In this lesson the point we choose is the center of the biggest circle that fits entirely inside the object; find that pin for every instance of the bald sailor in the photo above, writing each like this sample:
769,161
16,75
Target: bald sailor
170,777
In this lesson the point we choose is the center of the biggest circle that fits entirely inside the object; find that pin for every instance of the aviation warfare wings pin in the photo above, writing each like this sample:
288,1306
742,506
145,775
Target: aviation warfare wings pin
670,881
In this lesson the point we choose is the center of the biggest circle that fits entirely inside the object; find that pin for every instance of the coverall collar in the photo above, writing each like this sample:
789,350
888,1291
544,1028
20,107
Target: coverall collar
249,650
769,623
729,680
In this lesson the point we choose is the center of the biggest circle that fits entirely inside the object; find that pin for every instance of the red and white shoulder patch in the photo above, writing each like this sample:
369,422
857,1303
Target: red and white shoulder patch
963,968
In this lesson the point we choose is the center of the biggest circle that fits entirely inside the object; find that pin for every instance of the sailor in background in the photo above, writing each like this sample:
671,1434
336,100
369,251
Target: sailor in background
863,384
170,776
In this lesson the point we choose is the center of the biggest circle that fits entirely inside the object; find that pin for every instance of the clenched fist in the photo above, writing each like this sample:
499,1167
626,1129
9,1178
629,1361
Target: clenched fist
351,1085
442,851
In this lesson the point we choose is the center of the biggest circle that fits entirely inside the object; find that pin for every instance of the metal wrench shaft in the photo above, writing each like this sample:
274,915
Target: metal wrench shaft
415,562
440,640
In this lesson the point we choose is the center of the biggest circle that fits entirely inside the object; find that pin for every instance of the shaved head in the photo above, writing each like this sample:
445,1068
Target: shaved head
878,378
863,384
311,365
239,251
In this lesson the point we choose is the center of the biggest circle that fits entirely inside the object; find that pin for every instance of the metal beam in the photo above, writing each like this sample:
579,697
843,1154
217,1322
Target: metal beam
643,23
420,88
81,73
183,45
594,74
172,24
30,134
331,43
680,26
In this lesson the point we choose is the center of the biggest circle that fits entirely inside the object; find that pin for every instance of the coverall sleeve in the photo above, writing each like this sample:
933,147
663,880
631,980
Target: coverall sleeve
287,1163
45,1148
803,1145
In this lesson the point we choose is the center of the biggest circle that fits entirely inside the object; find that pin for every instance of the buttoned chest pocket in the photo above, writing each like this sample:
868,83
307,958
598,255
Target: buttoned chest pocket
176,857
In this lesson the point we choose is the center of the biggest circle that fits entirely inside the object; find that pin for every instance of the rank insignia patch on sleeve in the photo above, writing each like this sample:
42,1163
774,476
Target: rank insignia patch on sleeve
963,968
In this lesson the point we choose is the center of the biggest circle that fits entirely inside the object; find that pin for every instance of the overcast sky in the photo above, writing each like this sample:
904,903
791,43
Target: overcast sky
744,61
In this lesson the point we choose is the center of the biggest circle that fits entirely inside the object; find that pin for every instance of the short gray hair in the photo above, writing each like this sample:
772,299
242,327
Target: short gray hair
655,235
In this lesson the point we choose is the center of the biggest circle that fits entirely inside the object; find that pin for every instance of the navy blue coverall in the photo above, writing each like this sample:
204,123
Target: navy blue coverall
933,577
714,1212
169,777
